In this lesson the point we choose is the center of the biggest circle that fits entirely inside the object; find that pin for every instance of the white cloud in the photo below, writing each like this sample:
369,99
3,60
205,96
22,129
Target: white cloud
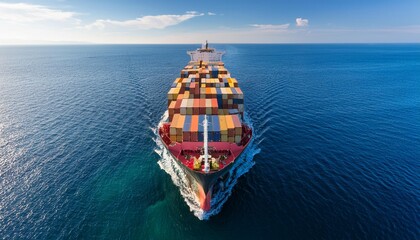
211,13
271,26
23,12
301,22
146,22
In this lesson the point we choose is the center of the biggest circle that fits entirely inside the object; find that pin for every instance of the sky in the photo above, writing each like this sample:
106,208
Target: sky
228,21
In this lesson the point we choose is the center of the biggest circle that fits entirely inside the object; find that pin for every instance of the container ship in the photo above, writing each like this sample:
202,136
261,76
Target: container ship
205,132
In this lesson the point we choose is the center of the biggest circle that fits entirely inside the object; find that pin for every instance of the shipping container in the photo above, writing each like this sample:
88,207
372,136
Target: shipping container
172,130
208,106
180,125
238,125
230,125
194,128
200,123
186,135
223,125
202,106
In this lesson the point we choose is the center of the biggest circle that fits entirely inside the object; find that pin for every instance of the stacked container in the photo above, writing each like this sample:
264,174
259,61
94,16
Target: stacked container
206,90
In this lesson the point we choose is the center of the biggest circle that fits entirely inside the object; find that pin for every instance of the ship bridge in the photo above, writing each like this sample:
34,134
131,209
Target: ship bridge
206,54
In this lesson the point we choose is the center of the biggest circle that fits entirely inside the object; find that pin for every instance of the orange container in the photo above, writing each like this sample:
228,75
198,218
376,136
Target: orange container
208,91
230,125
172,129
172,105
180,125
194,123
194,128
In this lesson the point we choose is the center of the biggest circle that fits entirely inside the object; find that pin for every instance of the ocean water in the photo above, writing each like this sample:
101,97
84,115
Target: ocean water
337,152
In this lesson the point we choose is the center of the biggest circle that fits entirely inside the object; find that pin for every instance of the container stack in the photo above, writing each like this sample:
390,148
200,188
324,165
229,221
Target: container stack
206,90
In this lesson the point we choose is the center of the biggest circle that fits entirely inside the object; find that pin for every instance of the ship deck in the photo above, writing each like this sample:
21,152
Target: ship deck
223,152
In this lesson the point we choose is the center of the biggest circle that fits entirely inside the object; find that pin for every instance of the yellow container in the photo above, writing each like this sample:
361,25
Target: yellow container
229,122
228,91
223,126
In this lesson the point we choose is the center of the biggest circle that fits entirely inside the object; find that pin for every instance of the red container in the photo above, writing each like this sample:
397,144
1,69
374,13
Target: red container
196,106
214,102
186,136
194,137
202,106
177,105
238,125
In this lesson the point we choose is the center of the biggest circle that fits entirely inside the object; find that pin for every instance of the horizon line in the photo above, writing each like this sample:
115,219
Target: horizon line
238,43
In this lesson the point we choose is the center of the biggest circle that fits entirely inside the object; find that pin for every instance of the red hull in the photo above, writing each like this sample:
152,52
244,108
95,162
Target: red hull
184,152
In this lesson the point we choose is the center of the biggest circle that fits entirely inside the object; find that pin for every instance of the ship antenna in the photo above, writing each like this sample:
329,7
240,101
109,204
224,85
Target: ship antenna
207,45
206,150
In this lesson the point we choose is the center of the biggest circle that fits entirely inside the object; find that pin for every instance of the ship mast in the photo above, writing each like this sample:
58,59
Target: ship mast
206,153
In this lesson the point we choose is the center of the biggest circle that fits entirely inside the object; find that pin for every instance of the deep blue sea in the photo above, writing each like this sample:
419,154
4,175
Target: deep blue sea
337,129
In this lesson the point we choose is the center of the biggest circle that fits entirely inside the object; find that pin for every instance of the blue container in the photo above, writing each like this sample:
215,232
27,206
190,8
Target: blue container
200,136
188,119
214,73
219,103
200,129
234,91
238,101
216,136
215,123
200,123
233,111
187,127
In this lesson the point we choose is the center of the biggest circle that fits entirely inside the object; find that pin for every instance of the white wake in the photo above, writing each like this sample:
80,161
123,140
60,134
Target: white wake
219,197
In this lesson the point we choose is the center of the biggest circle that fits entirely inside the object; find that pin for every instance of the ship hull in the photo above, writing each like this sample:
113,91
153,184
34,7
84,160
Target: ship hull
204,183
